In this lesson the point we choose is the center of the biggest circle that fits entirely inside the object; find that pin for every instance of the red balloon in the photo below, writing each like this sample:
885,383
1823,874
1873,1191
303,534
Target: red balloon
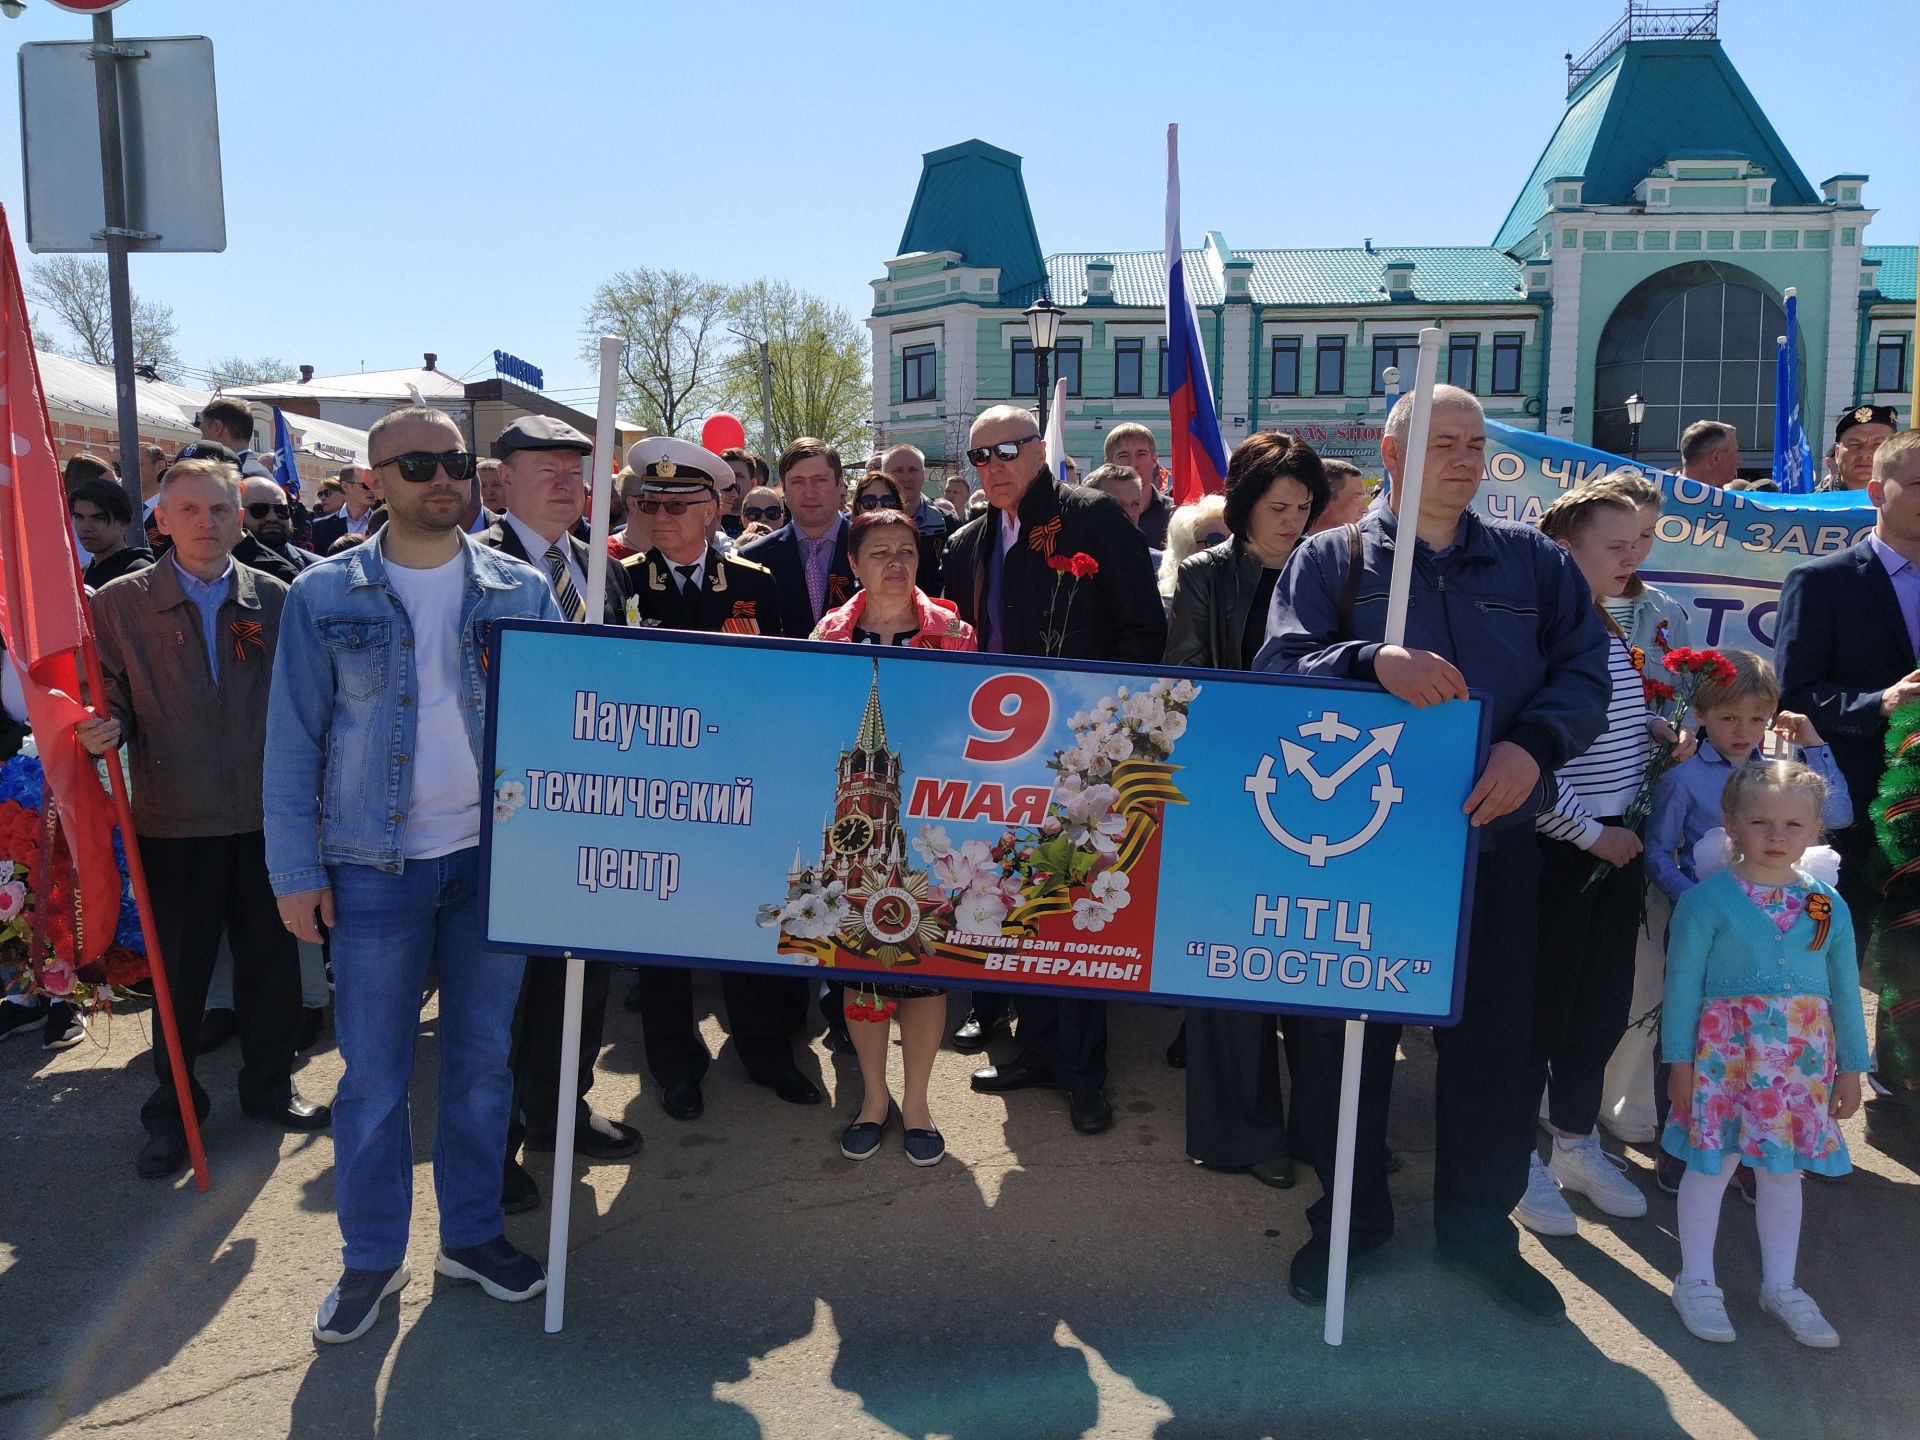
723,432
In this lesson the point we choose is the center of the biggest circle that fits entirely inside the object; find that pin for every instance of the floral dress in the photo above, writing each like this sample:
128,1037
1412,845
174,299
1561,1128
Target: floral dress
1763,1072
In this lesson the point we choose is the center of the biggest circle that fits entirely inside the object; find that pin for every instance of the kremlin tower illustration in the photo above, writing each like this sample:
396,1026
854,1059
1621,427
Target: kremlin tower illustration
862,894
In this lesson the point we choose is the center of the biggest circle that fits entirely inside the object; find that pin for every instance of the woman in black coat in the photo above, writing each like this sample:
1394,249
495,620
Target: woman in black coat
1236,1116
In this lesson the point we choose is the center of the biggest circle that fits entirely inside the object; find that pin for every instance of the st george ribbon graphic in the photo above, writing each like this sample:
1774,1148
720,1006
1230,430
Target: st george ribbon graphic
927,817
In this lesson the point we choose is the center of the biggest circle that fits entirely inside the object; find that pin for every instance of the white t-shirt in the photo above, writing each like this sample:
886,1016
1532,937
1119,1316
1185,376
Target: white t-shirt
444,813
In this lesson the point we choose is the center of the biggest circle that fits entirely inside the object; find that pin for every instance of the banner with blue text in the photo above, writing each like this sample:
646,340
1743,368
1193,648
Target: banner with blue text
931,818
1723,554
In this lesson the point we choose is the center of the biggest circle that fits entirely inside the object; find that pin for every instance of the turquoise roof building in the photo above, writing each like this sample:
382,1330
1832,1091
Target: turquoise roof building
1649,252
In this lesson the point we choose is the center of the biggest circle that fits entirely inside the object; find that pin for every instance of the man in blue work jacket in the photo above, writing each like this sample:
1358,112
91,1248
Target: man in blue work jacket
1496,606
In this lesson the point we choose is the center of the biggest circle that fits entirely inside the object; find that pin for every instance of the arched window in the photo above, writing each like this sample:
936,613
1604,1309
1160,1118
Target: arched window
1696,342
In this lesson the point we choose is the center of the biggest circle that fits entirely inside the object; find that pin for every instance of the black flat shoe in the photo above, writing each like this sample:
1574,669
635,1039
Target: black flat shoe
299,1113
161,1156
1510,1281
682,1100
597,1138
1277,1172
1090,1111
792,1087
1307,1273
519,1192
217,1027
1014,1075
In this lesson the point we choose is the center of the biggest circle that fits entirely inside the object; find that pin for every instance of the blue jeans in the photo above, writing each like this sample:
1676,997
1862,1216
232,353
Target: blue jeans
388,929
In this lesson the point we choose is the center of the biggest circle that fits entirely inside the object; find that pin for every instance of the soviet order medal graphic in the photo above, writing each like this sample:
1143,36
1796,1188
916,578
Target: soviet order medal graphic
1339,758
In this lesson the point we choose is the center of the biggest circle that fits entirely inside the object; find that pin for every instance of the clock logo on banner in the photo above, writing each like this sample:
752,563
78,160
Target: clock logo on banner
1333,737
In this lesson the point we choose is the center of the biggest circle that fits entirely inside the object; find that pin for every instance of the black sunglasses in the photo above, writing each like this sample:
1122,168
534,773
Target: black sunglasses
263,509
417,466
877,502
1005,450
766,512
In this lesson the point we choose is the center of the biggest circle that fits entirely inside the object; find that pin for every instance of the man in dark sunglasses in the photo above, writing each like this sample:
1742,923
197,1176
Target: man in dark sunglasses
360,515
266,522
998,576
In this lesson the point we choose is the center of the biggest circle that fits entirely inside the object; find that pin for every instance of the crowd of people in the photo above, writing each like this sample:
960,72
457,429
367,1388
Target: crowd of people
325,851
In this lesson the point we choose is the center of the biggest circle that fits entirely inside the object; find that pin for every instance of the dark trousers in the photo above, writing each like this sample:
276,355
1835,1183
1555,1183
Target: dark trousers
1484,1109
1236,1112
537,1025
989,1005
1583,987
764,1013
201,887
675,1051
1065,1036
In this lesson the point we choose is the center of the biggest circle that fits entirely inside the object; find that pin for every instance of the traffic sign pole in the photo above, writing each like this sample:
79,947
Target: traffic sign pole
106,62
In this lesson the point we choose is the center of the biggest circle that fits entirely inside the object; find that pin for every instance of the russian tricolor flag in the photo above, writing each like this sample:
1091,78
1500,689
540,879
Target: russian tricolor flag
1199,458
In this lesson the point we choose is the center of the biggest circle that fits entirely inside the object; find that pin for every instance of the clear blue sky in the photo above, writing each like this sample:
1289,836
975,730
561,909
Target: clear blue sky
457,175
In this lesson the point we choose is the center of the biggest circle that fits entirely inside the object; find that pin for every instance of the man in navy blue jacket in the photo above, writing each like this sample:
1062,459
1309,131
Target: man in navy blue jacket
1498,607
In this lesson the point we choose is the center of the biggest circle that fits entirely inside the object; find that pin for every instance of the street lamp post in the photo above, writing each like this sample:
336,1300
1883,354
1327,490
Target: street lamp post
1636,412
1043,326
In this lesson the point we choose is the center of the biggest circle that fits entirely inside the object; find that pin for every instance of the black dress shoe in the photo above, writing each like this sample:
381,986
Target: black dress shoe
161,1156
299,1113
519,1192
1014,1075
597,1137
1512,1283
1090,1111
1307,1274
216,1028
682,1100
1177,1048
974,1033
838,1040
1277,1172
313,1020
792,1087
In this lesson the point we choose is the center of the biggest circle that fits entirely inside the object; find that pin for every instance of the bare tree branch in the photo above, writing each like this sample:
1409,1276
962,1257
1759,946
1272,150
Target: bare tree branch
73,289
674,343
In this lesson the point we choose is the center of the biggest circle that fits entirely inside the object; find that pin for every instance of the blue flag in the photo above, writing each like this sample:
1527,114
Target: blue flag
284,469
1792,456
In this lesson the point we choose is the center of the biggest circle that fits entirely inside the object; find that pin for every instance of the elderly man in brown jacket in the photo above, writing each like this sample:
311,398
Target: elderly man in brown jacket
186,652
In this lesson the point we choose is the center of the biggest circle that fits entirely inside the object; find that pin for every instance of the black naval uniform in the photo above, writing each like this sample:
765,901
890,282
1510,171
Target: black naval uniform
763,1011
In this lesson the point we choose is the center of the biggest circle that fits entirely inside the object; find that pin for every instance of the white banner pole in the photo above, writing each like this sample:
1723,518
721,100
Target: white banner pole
1408,512
599,504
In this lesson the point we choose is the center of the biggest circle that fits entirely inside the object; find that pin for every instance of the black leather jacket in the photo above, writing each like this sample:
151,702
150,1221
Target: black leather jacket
1212,592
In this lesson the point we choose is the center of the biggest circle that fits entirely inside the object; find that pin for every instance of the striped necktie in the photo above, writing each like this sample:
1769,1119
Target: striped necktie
571,605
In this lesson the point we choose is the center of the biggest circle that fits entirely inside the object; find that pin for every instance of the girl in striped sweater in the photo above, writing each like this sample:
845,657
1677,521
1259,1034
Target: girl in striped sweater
1583,983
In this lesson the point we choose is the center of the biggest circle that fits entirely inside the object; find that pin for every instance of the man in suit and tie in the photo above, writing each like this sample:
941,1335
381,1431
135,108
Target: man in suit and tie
997,576
808,555
684,583
542,479
357,516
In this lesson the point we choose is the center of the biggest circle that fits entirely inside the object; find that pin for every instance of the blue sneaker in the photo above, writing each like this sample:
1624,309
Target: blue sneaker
861,1140
496,1267
353,1305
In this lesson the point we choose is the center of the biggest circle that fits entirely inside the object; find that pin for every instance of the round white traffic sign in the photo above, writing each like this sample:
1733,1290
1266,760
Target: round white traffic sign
87,7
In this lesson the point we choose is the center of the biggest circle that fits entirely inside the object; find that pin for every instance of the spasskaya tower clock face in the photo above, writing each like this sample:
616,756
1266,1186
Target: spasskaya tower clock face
852,834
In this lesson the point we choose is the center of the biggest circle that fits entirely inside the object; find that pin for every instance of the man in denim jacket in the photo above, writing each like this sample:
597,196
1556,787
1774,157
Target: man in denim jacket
374,804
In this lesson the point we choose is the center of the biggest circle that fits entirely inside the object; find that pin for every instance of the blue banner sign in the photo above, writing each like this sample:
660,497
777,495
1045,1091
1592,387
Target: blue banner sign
918,816
1723,554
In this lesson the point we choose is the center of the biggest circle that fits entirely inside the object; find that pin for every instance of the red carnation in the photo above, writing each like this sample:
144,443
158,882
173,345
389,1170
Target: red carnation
1061,563
1657,693
1082,565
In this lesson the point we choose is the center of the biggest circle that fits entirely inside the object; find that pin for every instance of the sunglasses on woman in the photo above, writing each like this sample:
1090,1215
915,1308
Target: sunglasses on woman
417,466
262,509
1006,450
766,514
878,502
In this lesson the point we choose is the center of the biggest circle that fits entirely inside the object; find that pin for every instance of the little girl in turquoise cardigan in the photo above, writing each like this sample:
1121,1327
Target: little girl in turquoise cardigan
1763,1026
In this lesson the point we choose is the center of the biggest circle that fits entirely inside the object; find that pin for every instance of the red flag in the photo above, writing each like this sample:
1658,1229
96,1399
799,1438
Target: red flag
43,613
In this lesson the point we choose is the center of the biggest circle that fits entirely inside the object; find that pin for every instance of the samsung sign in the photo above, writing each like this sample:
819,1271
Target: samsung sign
514,368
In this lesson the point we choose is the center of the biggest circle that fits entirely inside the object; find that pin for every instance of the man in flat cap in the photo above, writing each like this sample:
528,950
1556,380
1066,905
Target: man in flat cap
685,583
542,480
1859,433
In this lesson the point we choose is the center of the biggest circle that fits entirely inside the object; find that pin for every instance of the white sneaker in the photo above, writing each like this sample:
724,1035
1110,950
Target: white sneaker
1703,1310
1586,1169
1541,1209
1794,1308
